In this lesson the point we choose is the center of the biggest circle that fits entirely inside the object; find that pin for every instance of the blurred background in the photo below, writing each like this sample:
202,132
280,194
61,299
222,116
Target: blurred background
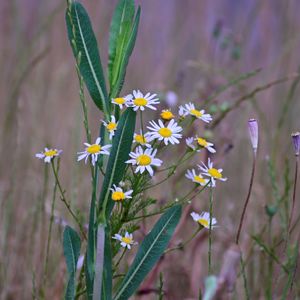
213,53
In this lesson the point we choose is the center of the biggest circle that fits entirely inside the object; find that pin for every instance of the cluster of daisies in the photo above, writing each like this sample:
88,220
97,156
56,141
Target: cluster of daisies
164,131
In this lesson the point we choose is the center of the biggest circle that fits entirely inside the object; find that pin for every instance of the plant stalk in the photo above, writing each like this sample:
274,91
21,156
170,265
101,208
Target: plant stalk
247,198
99,263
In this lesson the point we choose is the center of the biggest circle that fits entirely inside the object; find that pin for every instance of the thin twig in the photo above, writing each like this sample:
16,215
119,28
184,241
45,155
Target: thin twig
250,95
294,194
247,199
67,204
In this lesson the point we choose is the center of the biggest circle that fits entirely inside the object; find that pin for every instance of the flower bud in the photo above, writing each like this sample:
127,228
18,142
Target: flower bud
296,141
253,132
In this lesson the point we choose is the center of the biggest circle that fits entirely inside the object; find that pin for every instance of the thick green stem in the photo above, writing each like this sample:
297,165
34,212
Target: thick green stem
99,262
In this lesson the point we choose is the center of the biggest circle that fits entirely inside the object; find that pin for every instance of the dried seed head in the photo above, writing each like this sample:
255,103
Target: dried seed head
253,132
296,142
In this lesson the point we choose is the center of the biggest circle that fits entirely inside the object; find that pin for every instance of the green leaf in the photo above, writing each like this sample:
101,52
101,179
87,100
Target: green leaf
151,249
85,49
211,285
71,245
116,165
119,30
124,48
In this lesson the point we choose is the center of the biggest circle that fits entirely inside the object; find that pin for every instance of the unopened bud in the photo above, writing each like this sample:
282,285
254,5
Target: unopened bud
253,132
296,141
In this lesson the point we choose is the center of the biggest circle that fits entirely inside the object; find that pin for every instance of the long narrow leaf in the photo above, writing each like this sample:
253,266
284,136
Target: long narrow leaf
122,57
151,249
119,30
83,42
71,245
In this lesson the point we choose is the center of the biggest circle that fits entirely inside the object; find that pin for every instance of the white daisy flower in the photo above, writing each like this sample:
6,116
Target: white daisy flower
94,151
111,126
142,139
48,154
122,101
213,173
144,159
189,142
126,241
191,174
169,133
203,143
204,219
167,115
189,109
118,194
140,101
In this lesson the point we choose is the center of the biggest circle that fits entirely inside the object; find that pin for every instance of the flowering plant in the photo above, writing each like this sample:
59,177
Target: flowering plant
124,161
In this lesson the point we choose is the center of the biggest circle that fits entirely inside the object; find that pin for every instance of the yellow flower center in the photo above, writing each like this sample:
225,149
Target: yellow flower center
140,139
111,126
203,222
93,149
165,132
118,196
144,160
167,115
199,179
126,240
202,142
196,113
119,100
140,101
50,152
214,173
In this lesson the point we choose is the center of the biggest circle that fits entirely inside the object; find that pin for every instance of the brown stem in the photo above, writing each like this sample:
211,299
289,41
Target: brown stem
294,194
247,199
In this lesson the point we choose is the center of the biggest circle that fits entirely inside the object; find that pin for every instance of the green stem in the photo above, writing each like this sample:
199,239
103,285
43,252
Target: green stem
99,263
247,295
142,125
181,246
67,204
270,262
119,260
294,194
50,227
210,228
